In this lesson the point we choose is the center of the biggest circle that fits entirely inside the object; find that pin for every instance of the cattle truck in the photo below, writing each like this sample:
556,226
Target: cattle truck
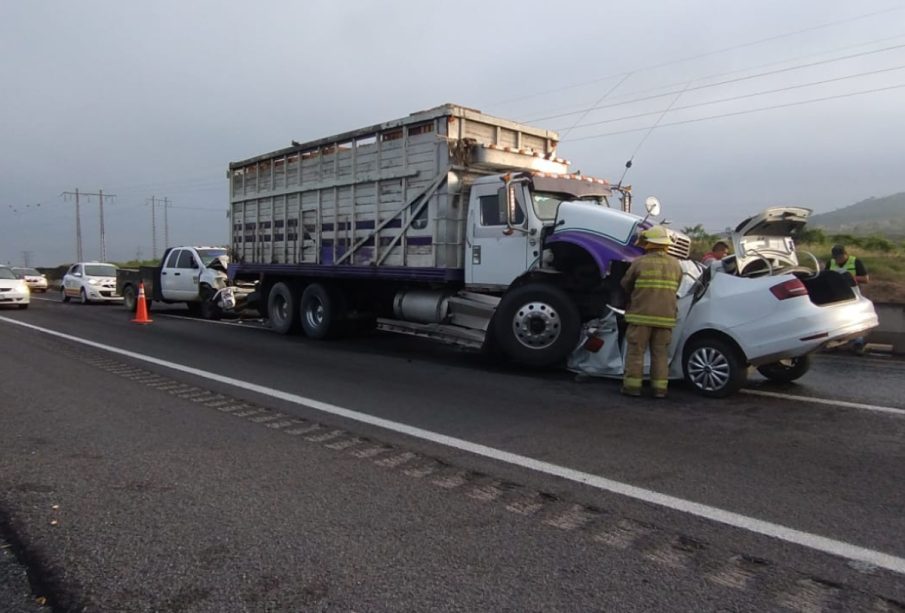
448,224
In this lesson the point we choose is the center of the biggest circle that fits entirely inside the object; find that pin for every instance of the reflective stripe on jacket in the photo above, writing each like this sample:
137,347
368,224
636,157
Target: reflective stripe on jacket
652,281
848,266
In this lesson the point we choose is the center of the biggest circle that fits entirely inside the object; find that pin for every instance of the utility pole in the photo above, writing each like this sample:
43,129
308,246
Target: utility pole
166,224
26,258
154,227
78,224
78,221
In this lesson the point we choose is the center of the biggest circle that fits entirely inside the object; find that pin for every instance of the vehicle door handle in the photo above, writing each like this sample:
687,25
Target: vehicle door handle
163,273
177,274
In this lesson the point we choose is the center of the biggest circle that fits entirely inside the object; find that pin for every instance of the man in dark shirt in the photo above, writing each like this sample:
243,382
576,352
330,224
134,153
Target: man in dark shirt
842,262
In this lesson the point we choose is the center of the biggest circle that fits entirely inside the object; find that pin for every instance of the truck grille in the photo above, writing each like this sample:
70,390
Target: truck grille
681,245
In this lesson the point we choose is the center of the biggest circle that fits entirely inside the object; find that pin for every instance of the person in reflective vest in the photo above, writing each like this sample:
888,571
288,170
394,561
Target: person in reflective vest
842,262
651,282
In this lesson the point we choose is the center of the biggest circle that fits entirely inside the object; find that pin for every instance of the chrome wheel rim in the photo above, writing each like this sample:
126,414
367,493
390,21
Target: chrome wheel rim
281,307
536,325
709,369
315,313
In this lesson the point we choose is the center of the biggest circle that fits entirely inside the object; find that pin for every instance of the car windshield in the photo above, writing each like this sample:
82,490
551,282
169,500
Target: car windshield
31,272
209,255
547,203
6,273
100,270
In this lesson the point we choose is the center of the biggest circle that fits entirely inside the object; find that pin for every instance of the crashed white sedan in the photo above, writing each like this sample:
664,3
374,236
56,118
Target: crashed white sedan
759,307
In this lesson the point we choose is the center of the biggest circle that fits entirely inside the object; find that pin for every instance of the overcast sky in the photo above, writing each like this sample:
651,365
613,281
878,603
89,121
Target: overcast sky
156,98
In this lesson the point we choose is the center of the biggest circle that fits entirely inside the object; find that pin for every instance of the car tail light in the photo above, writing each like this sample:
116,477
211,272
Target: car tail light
593,344
789,289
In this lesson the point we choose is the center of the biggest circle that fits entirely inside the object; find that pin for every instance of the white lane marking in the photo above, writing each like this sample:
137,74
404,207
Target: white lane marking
834,403
729,518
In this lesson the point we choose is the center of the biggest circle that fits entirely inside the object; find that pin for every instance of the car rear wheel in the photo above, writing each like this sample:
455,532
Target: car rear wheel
785,371
714,367
537,324
63,295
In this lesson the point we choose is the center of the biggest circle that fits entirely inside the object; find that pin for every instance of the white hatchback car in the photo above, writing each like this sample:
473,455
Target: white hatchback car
13,290
90,282
758,307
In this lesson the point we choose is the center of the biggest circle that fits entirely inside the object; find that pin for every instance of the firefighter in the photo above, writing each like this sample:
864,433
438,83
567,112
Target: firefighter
651,282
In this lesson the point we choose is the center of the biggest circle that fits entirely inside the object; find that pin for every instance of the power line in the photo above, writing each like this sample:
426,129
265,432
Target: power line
746,112
743,96
704,78
719,83
706,54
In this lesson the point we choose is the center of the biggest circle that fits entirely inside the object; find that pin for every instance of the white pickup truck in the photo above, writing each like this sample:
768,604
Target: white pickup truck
193,275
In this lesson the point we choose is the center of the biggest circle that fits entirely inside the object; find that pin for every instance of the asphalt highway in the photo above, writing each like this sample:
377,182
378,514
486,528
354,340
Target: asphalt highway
196,466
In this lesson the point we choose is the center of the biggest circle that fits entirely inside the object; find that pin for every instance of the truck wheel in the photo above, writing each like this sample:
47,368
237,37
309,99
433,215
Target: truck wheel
321,309
130,300
537,324
211,311
282,303
785,371
713,367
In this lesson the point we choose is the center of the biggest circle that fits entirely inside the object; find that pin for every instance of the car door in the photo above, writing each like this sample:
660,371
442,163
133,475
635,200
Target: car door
72,281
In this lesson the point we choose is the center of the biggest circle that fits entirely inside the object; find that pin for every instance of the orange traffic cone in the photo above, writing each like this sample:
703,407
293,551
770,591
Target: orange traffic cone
141,312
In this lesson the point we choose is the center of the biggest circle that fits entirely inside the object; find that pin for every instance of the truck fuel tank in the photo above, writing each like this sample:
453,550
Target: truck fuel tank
422,306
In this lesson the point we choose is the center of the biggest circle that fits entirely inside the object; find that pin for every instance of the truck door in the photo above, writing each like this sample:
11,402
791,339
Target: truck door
497,254
169,279
187,275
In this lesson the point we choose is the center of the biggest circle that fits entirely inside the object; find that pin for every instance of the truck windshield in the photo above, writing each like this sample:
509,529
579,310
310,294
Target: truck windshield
209,255
100,270
547,203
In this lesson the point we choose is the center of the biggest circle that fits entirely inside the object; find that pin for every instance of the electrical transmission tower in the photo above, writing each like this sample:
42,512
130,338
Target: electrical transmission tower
78,221
166,223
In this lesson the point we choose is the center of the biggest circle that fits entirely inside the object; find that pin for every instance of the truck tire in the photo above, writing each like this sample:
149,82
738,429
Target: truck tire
321,311
713,367
537,324
130,298
786,371
210,311
282,304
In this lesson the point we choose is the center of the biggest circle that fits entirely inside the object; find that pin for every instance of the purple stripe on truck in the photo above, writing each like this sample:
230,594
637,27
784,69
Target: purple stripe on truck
602,250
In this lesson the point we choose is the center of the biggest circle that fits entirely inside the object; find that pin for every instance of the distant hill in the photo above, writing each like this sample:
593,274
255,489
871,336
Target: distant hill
884,216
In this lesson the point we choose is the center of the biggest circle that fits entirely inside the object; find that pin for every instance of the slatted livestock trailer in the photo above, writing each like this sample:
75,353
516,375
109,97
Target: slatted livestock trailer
448,223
